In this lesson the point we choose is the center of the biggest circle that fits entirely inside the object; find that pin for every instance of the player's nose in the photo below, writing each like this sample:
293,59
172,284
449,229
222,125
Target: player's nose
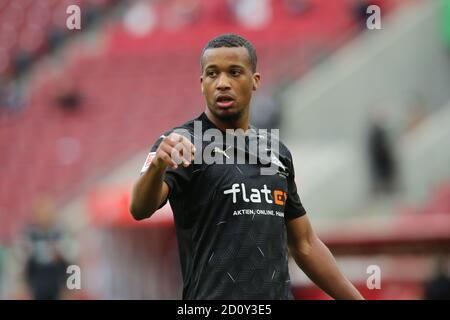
223,83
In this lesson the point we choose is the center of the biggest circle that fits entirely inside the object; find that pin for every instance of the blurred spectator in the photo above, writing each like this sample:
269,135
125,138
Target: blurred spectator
68,96
11,95
438,287
359,9
55,37
254,14
45,265
381,155
22,62
92,13
140,18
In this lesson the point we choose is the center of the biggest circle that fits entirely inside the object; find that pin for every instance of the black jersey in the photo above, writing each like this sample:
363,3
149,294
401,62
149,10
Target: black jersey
230,224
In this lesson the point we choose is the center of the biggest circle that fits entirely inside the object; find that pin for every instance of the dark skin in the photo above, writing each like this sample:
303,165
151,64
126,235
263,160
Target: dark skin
227,83
228,72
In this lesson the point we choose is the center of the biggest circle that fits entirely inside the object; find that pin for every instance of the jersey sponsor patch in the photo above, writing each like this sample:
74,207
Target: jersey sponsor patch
148,161
255,195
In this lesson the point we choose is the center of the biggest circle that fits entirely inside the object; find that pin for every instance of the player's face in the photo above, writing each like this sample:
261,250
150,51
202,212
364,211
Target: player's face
227,82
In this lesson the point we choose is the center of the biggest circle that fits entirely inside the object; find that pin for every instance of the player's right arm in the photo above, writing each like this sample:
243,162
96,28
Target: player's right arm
150,190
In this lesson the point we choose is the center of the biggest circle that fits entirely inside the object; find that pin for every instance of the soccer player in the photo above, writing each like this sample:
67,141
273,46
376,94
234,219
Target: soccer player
234,225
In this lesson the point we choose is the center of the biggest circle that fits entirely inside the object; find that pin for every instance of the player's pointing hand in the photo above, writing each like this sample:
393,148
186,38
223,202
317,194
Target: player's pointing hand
174,150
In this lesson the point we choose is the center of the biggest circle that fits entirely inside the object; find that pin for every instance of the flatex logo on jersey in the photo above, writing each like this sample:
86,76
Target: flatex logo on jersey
255,195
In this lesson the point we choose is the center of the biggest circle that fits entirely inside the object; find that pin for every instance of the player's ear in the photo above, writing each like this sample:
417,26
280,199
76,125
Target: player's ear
256,80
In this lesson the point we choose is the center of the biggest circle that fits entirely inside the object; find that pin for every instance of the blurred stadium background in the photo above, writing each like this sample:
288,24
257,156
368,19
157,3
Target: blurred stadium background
366,114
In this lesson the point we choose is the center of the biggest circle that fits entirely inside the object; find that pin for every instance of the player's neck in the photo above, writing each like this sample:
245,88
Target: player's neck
241,123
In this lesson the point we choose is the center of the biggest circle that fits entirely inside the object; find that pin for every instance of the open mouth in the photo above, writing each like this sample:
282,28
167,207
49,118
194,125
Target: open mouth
224,101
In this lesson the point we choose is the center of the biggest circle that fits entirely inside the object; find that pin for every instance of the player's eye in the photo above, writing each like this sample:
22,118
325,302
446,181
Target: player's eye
211,74
235,72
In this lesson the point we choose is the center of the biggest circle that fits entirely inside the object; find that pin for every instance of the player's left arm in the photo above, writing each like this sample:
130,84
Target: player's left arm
316,260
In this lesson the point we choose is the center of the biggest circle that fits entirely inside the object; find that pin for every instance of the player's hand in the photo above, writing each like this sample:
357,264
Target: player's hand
174,150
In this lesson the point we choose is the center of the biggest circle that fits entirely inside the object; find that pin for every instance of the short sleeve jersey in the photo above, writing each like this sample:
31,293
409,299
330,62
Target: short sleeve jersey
230,220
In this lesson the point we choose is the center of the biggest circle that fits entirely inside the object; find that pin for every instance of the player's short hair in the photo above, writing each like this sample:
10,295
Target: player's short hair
231,40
